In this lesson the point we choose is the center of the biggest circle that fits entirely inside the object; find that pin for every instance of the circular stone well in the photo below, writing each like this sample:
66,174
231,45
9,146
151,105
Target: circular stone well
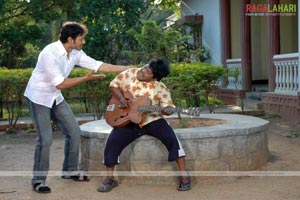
238,144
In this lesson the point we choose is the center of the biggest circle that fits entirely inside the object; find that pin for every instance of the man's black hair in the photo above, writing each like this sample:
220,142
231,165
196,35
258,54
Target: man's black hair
71,29
160,68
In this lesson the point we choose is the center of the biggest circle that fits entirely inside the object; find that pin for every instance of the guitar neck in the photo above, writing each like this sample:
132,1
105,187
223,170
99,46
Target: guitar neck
156,108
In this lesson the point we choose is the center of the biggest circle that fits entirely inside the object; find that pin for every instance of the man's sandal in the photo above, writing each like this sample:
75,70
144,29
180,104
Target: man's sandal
41,188
107,185
184,183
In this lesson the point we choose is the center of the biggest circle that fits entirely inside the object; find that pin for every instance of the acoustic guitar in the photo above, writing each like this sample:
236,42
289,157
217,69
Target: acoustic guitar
119,117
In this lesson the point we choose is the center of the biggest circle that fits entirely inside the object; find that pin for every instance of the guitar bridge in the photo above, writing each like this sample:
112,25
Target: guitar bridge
111,107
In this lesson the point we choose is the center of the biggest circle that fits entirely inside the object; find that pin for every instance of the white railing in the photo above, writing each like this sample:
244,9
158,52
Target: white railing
235,64
287,73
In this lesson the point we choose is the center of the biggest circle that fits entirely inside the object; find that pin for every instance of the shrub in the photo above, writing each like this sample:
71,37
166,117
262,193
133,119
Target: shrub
189,81
12,86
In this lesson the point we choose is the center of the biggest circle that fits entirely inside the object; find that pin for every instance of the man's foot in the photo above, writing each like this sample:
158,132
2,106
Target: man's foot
41,188
107,185
184,183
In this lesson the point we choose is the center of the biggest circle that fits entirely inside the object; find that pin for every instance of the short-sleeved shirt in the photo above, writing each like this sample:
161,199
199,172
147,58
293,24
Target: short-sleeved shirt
155,90
52,67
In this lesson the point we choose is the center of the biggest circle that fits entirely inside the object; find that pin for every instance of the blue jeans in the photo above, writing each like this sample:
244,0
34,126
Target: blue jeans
64,117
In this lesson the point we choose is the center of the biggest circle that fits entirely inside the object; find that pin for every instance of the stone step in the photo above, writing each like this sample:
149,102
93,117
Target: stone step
254,95
251,104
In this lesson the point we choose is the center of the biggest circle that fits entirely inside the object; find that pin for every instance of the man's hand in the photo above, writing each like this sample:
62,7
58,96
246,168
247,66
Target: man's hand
116,92
123,103
92,76
71,82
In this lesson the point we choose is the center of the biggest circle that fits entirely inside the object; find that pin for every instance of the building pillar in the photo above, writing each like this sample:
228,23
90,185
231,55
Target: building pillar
273,45
246,47
226,33
298,48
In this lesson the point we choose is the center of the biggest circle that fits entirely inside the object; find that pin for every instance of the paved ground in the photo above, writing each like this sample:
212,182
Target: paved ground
16,154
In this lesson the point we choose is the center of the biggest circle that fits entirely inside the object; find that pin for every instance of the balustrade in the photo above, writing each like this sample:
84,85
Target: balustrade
287,74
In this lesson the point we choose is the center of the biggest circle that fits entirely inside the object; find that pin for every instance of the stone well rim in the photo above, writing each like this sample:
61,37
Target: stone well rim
234,125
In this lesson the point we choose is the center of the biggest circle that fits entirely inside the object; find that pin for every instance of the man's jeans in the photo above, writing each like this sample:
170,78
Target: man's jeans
63,116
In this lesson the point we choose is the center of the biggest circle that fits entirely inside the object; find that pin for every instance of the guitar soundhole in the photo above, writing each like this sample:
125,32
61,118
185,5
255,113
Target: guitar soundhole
122,116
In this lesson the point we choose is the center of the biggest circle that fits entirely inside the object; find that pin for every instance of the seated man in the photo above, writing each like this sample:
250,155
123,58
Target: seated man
144,82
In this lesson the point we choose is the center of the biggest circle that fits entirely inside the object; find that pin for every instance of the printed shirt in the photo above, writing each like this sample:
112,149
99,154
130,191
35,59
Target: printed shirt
52,67
155,90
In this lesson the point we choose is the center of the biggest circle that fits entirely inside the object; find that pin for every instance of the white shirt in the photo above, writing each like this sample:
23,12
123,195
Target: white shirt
52,67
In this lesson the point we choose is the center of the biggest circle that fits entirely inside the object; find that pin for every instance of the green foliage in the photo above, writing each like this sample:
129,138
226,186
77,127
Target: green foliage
155,42
189,81
212,101
37,22
199,54
233,72
24,23
27,26
12,87
108,22
155,13
29,57
168,4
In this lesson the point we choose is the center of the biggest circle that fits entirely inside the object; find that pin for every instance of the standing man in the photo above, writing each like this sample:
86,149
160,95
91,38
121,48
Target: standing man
139,82
46,102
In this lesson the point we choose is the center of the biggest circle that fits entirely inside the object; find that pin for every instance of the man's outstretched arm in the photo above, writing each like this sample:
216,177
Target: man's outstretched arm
105,67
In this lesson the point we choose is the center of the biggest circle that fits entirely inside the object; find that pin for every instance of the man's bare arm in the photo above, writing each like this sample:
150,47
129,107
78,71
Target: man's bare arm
116,92
105,67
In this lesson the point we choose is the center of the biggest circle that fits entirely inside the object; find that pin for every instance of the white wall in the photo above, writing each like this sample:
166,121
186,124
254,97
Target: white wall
211,30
